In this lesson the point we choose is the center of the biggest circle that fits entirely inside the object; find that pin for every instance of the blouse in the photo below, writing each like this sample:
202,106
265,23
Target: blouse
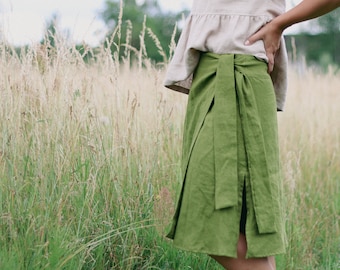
222,27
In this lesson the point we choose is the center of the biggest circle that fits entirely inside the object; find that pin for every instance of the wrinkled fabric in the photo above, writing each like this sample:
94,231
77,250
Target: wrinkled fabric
223,26
230,140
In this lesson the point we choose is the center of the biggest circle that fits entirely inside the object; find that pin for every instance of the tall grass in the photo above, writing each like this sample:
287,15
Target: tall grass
310,149
89,164
87,152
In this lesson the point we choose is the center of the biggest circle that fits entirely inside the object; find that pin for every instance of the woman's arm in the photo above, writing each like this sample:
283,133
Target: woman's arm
271,33
306,10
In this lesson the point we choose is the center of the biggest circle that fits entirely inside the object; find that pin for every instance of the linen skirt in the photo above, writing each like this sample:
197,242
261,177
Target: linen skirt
230,161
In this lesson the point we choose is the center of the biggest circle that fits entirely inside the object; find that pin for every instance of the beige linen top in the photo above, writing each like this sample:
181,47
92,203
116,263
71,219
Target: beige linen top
222,26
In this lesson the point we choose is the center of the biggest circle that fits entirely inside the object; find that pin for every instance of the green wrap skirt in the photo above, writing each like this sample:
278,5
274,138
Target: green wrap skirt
230,161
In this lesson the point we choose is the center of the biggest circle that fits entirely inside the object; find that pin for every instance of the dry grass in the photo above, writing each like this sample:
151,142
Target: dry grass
310,147
89,164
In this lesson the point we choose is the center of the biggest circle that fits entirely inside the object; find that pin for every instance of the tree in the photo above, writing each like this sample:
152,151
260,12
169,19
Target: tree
321,45
140,19
330,23
329,38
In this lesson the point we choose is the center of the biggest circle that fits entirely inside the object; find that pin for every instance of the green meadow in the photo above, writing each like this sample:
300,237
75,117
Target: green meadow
90,173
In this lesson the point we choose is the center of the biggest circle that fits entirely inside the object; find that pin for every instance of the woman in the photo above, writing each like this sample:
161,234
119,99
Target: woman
230,205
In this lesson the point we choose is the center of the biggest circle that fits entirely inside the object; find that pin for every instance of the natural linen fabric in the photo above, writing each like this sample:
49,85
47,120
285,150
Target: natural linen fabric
230,140
223,26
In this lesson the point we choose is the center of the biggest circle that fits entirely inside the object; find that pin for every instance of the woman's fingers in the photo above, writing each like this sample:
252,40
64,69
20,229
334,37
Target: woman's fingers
255,37
271,61
271,38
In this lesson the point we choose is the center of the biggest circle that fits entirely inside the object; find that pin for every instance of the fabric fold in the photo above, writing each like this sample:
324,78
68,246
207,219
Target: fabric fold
238,94
230,139
225,133
228,97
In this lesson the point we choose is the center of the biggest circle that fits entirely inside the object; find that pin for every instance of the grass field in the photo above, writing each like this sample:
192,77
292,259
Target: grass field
89,165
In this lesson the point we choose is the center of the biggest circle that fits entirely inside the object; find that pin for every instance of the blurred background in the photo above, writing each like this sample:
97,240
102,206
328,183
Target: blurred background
87,22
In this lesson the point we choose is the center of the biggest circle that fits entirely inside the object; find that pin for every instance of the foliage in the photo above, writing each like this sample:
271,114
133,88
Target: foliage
330,23
137,30
318,50
319,45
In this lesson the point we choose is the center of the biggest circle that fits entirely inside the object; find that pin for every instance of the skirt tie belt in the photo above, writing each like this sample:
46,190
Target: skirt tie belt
233,92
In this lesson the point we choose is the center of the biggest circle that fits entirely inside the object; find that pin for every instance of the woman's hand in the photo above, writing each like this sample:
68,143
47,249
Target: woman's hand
271,32
271,36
